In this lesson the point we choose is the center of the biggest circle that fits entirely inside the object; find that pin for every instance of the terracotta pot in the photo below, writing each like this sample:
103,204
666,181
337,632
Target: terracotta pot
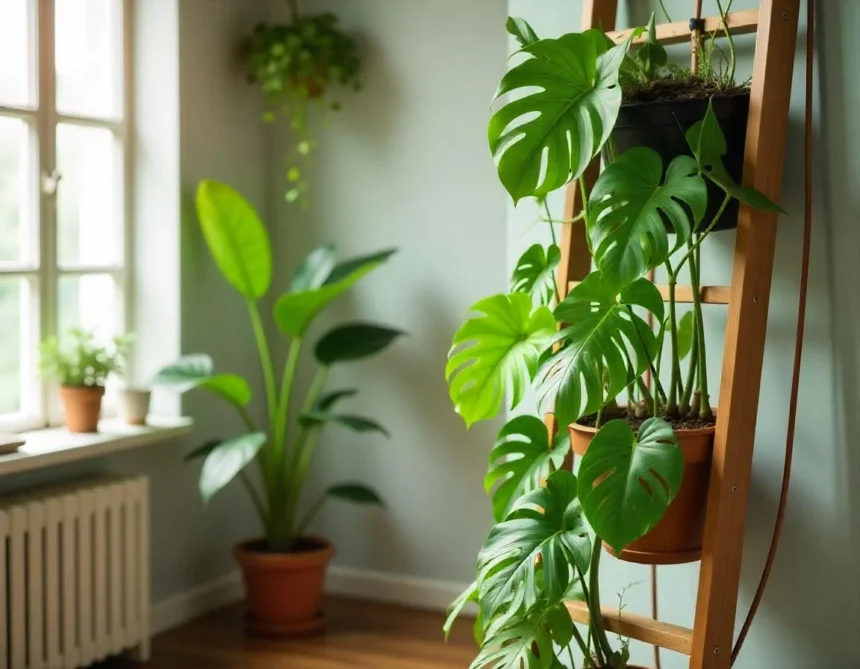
677,538
283,589
134,405
82,407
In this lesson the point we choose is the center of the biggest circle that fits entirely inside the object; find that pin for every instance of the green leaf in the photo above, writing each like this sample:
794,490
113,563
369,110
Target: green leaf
545,523
627,481
651,55
294,312
527,643
535,273
237,238
708,143
328,400
685,335
353,342
591,365
628,206
521,459
203,450
230,387
226,460
546,137
357,423
469,595
521,30
495,351
315,269
186,373
357,493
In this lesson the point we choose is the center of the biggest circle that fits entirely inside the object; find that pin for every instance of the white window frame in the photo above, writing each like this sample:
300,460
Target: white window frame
39,396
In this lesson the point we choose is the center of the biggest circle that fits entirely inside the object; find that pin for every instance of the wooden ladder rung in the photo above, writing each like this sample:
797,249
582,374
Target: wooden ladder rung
740,23
684,294
634,626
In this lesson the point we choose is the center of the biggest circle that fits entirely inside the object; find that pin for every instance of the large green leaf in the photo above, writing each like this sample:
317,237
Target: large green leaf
626,481
546,523
542,138
529,642
628,207
315,269
327,401
230,387
708,143
357,493
357,423
521,459
494,351
651,55
468,596
226,460
521,30
294,312
602,345
237,238
353,342
195,371
535,273
686,329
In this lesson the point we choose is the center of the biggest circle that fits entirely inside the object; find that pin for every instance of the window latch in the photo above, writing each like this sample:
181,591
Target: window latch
50,182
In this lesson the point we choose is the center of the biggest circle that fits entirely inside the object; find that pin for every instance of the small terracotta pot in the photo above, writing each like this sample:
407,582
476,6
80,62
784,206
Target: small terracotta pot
283,590
677,538
134,405
82,407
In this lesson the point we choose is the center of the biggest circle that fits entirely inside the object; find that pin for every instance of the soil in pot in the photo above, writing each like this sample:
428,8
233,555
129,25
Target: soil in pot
659,117
677,538
82,407
283,590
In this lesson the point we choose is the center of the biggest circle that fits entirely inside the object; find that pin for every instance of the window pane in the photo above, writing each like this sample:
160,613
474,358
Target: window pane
15,219
88,57
88,212
15,50
13,301
89,302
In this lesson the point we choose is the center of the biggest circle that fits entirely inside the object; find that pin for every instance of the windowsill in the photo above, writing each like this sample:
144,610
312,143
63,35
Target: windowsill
57,446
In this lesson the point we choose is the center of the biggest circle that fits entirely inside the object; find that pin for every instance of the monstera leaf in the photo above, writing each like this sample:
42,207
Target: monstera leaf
627,480
521,30
628,205
708,143
494,351
535,273
521,459
528,643
546,137
599,328
545,523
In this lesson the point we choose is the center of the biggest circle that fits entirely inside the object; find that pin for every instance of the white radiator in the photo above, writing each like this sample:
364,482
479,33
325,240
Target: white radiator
74,575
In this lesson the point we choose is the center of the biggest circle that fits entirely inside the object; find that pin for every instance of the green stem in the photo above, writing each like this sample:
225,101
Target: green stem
675,380
595,615
579,642
555,243
723,14
281,427
310,515
591,634
257,501
266,459
689,386
654,375
663,7
698,317
704,234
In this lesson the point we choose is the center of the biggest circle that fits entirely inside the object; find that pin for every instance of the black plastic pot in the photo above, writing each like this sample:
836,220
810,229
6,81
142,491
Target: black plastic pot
661,126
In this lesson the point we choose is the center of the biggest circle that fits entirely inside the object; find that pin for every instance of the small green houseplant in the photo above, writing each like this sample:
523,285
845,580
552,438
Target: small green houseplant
296,65
284,570
586,355
81,366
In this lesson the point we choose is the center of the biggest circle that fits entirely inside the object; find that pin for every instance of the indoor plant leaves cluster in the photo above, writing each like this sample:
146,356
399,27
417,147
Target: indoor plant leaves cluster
586,355
284,447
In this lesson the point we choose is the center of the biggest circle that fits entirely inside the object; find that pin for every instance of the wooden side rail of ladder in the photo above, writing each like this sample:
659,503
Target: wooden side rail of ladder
709,642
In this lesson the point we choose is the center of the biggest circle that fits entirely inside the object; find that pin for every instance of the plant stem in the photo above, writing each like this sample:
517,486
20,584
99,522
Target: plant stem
672,406
730,78
257,501
654,375
579,642
704,234
267,471
591,634
595,615
554,243
687,392
663,7
698,318
281,428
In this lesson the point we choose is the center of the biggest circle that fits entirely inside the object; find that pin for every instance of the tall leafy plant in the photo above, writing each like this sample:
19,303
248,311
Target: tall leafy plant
587,354
283,448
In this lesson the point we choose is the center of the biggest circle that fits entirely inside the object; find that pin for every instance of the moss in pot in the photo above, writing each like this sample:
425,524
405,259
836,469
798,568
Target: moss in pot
586,355
284,569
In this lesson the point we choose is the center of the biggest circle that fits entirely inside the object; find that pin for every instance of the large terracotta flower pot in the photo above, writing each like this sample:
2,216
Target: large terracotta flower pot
677,538
82,407
283,590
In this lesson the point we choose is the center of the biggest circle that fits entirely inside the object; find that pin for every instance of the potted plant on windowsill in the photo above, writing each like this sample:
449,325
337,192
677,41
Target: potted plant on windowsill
589,356
82,366
284,569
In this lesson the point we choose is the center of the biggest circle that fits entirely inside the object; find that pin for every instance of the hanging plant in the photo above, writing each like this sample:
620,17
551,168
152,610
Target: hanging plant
296,66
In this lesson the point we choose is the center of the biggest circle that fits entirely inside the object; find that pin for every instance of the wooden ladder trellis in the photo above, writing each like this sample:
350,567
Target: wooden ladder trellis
709,642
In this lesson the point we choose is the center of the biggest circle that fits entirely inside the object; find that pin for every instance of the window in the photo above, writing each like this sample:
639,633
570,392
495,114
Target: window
64,186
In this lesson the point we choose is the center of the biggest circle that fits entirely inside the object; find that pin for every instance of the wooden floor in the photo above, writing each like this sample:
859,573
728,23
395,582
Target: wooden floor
360,634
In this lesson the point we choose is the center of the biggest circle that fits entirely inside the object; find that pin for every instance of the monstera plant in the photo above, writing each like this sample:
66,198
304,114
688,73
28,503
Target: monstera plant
284,569
594,358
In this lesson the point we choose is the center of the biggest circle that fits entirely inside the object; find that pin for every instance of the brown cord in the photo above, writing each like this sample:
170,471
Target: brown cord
798,344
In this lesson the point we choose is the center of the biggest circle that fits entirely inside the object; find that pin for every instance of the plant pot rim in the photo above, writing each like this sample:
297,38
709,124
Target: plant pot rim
91,389
684,101
247,555
687,432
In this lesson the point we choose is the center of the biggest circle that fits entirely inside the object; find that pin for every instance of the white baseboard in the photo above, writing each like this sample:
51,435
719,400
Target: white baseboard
420,593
